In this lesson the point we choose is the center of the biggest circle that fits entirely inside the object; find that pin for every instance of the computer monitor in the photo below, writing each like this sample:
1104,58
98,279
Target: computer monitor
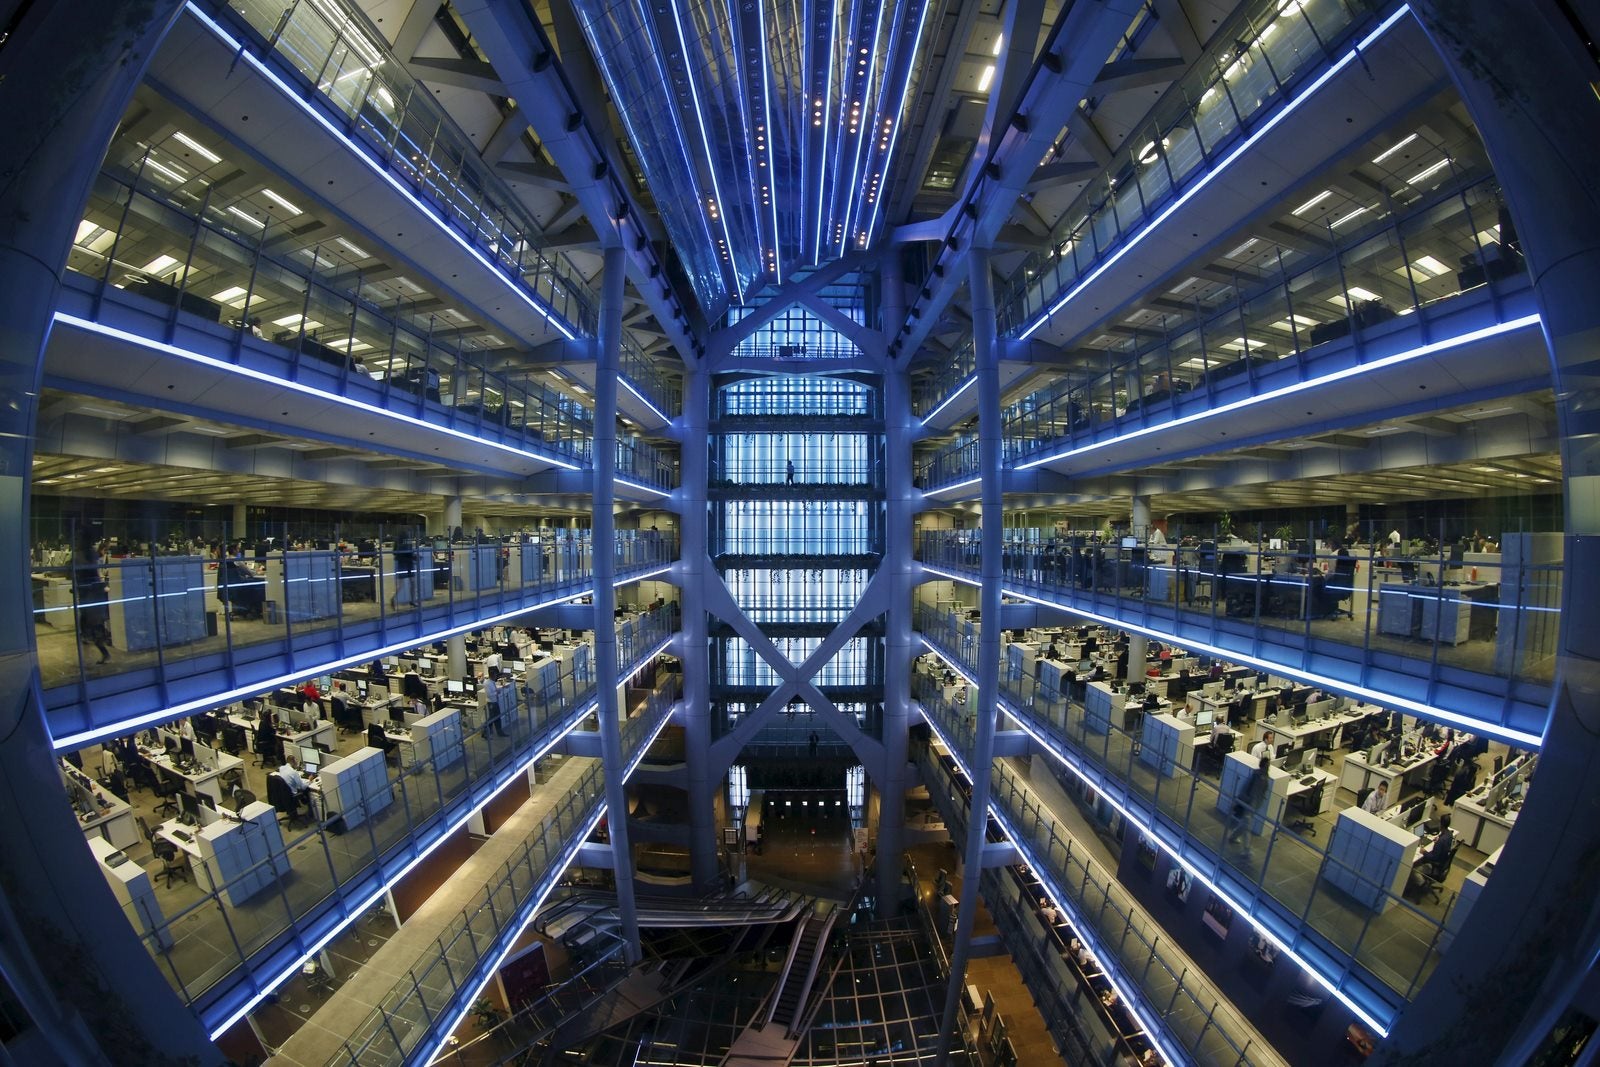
397,714
313,763
188,808
453,686
518,665
361,687
1292,761
1203,717
207,800
186,748
1130,542
1414,813
204,753
425,666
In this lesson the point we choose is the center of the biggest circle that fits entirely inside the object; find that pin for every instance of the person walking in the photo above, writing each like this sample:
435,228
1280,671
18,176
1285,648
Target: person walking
1247,804
790,467
405,572
813,744
94,597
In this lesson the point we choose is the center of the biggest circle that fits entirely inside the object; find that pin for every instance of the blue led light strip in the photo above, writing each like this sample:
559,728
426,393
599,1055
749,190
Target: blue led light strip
297,96
947,401
772,161
865,129
1520,738
1209,176
711,159
1083,929
1233,901
899,121
1382,362
293,968
827,121
189,707
191,356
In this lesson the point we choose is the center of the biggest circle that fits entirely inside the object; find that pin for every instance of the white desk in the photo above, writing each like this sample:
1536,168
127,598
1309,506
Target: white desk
1479,827
237,857
1357,774
200,780
112,820
1471,887
131,885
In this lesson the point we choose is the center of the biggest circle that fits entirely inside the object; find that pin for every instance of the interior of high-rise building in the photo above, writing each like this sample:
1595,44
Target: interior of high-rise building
556,532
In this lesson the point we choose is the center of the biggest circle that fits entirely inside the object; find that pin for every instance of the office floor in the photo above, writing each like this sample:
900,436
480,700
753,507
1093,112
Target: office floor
1397,946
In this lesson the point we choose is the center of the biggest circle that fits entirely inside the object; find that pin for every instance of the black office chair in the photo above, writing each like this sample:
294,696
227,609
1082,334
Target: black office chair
377,739
1362,794
269,751
1324,751
1432,875
1307,804
282,798
1213,756
167,792
171,865
242,798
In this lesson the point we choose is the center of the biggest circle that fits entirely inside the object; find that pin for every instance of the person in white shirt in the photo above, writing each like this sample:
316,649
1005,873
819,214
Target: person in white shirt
1263,747
290,773
491,705
1378,799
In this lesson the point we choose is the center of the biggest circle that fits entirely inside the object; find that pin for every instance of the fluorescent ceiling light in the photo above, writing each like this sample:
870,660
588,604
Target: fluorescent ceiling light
1181,286
576,388
985,78
999,44
352,249
407,284
294,320
85,229
1392,149
280,201
1242,249
196,147
1363,294
234,209
168,171
1342,219
1432,267
1313,202
160,265
230,294
1427,171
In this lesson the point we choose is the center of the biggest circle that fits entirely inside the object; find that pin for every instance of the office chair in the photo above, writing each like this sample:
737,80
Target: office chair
1308,804
1433,874
377,739
171,865
269,751
167,792
1324,751
242,798
282,798
1213,756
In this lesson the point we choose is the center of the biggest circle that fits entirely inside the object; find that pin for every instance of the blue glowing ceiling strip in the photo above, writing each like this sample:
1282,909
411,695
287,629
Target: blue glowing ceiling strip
827,121
91,326
360,151
711,159
1206,179
662,415
1132,817
771,137
899,121
1371,365
864,135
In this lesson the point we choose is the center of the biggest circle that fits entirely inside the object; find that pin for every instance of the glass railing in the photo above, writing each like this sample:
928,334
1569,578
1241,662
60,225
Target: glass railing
1272,54
1203,1025
661,389
841,472
647,716
794,397
639,461
957,461
338,337
1384,279
429,993
1071,996
368,806
163,623
1456,629
1405,270
348,65
1394,939
929,392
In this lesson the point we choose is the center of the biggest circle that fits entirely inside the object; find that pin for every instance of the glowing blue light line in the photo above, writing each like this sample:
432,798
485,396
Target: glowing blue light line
90,326
947,401
298,97
772,160
1240,908
822,158
1085,930
1207,178
863,134
1321,681
662,415
1432,348
189,707
711,159
389,883
437,1035
894,139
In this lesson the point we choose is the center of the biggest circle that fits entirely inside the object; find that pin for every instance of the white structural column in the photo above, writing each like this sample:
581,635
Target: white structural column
899,651
985,350
1137,645
74,969
693,573
608,347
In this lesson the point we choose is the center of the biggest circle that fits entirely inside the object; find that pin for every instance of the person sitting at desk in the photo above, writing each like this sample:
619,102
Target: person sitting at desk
413,688
1377,800
339,704
298,784
1435,855
1263,748
1221,732
310,690
267,733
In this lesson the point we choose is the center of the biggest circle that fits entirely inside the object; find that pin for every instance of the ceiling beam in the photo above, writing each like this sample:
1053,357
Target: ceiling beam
513,124
1134,73
1062,172
538,175
460,73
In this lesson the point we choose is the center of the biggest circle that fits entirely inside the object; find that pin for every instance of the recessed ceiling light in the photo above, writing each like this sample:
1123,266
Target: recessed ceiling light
280,201
1313,202
160,264
229,295
1342,219
195,146
352,249
234,210
985,78
1428,171
1392,149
